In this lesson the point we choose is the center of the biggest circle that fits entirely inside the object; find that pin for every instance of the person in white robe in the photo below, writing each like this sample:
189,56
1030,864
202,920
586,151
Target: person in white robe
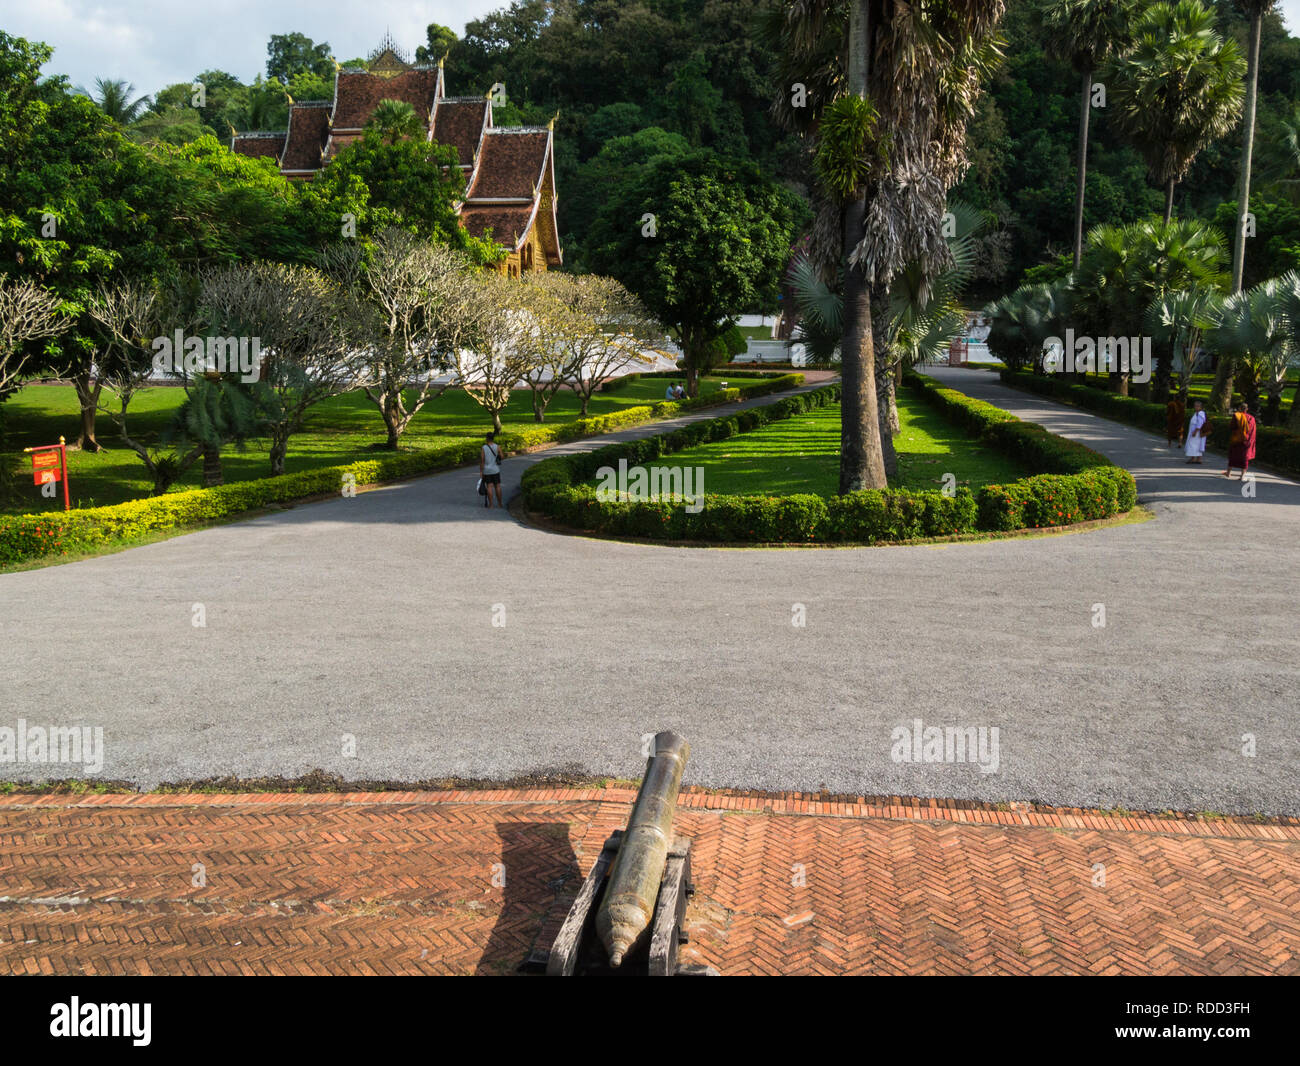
1197,433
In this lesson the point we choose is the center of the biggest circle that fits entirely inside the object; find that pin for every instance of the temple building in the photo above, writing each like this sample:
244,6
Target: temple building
509,170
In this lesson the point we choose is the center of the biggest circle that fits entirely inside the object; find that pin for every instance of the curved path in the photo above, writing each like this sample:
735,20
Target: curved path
372,617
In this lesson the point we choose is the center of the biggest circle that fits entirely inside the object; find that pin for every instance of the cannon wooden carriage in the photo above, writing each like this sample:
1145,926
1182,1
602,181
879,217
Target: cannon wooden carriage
630,915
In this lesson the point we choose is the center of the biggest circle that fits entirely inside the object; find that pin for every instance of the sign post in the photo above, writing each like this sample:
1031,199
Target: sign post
50,463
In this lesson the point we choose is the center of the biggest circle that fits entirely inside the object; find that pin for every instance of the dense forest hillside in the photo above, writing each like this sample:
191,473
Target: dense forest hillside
631,80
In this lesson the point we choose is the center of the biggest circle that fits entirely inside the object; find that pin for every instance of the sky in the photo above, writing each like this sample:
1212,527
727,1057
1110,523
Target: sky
155,43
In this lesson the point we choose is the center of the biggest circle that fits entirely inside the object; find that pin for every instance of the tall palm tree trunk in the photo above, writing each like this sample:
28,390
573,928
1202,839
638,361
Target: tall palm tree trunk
1247,148
1221,394
862,464
862,461
212,472
1169,200
1084,114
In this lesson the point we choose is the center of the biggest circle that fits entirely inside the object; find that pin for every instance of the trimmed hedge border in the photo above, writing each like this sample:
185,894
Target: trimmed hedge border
1275,447
614,384
57,533
1082,486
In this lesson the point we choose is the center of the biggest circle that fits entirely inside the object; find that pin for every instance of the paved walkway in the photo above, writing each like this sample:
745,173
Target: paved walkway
357,636
413,883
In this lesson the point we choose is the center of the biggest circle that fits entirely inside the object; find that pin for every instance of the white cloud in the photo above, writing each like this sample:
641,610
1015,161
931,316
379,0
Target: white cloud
153,43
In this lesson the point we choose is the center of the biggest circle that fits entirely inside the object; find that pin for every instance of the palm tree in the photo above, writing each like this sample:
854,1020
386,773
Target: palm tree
1255,334
924,314
217,411
395,119
1288,290
1179,319
1178,89
113,97
1255,10
1086,33
915,72
1022,321
1125,268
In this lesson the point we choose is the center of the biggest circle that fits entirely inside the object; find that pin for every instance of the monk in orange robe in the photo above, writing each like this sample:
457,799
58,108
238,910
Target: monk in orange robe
1241,444
1175,412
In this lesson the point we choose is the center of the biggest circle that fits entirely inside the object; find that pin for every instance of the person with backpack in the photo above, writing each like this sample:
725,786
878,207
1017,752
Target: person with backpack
489,469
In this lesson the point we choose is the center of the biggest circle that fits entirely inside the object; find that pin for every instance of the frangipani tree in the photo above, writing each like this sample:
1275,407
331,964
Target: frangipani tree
303,324
594,328
28,313
412,303
500,349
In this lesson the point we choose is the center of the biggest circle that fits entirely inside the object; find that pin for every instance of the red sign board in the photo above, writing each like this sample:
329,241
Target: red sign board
47,466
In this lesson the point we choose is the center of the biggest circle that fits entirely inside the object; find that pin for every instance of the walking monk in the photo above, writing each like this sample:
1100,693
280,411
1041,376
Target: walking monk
1197,431
1175,412
1241,445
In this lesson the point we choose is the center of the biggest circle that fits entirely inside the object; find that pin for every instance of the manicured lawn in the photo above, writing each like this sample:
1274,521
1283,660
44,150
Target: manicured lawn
801,454
341,430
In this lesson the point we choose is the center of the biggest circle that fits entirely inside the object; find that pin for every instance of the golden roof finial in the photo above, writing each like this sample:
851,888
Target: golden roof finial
233,132
443,59
551,125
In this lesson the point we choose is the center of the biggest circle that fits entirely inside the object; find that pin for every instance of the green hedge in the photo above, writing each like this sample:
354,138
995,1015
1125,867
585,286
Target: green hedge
57,533
1273,445
1082,485
721,372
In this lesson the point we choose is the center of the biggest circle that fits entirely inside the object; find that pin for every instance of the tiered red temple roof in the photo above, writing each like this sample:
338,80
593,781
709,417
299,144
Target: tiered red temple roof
509,170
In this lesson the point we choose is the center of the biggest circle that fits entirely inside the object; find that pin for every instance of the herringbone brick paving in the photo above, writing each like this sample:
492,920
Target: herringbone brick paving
466,882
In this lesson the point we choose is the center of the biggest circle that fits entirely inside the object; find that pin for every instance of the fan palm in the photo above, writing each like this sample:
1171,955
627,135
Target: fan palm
396,119
1022,321
1255,334
1125,268
1178,319
113,97
1176,90
217,411
1086,33
1288,294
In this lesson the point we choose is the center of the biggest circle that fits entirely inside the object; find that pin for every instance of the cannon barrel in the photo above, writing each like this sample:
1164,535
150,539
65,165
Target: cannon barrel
629,901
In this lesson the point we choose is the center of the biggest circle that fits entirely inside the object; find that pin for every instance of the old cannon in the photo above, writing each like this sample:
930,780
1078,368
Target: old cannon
629,917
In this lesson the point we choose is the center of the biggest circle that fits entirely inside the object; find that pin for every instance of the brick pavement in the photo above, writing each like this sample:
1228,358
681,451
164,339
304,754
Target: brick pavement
404,883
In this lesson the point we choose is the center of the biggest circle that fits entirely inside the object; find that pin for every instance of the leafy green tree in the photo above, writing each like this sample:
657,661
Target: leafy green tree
79,203
699,239
306,85
619,162
438,42
1176,90
416,184
288,54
